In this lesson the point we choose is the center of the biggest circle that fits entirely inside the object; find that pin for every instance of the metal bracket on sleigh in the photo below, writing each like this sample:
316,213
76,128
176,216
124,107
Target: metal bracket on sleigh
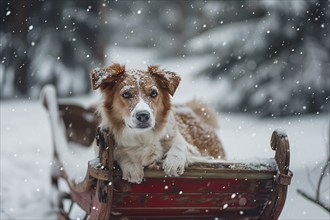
228,190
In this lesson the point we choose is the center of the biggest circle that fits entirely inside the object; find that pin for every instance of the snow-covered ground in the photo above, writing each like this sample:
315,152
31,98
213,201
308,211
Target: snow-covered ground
26,142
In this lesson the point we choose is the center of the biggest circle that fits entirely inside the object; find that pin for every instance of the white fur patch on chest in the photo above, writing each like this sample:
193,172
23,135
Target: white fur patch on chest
143,148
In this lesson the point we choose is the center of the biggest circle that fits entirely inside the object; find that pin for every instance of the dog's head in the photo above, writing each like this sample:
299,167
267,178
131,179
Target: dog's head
134,99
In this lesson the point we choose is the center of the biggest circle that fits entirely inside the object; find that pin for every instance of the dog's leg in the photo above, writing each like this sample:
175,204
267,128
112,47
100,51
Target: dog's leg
132,171
176,157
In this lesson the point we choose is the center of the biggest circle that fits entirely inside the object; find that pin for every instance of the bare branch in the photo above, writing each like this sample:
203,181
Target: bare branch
6,213
321,178
310,198
317,199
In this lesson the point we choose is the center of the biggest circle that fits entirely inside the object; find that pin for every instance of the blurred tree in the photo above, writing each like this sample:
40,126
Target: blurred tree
273,54
49,42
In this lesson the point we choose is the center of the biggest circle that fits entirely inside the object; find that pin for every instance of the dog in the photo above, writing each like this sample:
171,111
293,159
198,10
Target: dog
136,107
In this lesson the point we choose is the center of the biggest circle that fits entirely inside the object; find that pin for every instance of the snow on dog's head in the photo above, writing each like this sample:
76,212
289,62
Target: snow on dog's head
135,100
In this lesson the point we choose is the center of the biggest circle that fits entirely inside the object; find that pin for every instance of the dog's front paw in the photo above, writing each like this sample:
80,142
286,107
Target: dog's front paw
174,165
133,173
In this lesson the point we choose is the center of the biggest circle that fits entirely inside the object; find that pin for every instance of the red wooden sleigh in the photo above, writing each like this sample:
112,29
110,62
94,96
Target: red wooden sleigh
227,190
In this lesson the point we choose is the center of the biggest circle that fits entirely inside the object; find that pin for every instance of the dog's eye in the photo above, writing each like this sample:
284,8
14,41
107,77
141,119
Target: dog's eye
126,95
154,93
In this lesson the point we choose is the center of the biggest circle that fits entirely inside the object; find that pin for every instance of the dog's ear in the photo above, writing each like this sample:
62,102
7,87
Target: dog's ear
168,80
105,77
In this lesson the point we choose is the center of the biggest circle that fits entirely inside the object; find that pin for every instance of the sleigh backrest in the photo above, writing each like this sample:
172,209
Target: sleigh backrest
81,123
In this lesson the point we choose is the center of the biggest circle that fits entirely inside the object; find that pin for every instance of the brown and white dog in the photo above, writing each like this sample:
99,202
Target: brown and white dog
136,108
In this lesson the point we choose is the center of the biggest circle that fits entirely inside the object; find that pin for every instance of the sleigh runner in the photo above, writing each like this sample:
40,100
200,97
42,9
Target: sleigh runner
227,190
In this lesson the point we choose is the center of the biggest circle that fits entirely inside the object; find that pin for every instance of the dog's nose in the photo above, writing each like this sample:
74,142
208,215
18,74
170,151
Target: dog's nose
142,116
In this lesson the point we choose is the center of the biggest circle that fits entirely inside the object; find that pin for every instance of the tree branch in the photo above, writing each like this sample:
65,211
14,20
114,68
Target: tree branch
310,198
317,199
321,178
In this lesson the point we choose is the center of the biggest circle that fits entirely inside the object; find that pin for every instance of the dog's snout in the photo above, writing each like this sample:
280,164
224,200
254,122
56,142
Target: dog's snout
142,116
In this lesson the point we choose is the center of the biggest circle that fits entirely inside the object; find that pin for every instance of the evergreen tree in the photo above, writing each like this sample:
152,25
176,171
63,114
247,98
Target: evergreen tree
53,42
275,56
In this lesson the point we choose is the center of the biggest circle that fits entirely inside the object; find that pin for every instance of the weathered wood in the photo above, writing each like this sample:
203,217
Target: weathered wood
279,143
104,189
81,123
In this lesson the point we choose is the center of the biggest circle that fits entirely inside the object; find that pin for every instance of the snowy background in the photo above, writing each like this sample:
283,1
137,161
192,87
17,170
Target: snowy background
254,61
26,144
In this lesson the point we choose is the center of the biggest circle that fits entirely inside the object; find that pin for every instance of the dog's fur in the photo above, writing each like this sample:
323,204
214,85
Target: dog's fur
136,108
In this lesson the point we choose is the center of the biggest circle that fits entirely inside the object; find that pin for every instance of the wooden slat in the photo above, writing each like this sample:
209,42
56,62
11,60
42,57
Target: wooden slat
188,213
175,185
216,173
242,200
